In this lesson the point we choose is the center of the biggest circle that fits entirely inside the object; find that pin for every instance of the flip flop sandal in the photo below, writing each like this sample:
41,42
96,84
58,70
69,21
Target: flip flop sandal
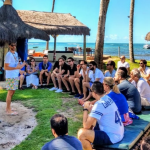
12,114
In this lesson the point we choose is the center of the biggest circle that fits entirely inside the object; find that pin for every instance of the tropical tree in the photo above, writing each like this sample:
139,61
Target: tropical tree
131,51
53,5
10,1
101,33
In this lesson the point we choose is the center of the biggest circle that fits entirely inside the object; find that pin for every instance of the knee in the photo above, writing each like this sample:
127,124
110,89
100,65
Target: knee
11,93
81,134
71,79
76,80
52,75
41,73
21,77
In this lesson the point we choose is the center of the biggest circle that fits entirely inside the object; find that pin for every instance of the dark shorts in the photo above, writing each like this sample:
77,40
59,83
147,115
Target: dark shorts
101,138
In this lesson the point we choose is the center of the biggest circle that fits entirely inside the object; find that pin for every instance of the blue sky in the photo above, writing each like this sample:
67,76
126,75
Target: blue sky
87,11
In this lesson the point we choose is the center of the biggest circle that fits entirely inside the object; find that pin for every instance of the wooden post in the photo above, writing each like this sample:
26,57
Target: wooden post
119,52
84,48
54,56
47,45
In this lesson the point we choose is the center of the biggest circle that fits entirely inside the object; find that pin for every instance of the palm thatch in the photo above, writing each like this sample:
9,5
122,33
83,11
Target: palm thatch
147,38
54,23
12,27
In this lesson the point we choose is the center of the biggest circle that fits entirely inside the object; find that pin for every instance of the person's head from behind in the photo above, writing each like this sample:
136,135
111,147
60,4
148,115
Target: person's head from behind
61,61
97,89
12,46
110,65
122,59
109,84
143,63
145,145
83,64
70,61
45,59
59,125
63,56
135,74
121,74
92,65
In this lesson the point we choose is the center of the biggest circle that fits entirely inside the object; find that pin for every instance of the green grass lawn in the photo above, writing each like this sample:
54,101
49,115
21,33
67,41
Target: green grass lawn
47,104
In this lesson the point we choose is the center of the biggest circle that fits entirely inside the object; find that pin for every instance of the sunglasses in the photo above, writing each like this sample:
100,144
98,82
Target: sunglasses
108,64
13,45
140,63
32,61
69,61
81,64
90,65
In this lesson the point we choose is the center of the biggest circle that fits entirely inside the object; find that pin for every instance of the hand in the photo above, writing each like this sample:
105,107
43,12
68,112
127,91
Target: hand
87,105
140,69
78,67
66,76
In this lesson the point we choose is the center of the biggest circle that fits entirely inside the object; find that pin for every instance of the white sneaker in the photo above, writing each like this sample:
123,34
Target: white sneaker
59,91
53,89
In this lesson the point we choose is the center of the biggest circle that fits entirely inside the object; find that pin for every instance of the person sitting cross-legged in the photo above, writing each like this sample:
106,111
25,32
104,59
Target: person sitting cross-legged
58,72
72,68
94,75
45,68
81,72
142,86
104,117
110,72
59,129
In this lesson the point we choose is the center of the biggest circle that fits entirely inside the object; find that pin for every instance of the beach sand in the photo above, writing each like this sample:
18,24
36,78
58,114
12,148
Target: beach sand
14,129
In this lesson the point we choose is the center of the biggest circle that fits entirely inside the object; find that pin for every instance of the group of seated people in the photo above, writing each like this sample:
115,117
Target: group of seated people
118,96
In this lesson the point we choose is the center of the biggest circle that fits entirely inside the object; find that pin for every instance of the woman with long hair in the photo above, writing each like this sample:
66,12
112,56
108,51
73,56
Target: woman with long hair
113,92
32,75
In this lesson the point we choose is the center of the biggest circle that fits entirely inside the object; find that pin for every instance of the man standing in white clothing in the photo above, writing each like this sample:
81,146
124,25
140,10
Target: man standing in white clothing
142,86
104,117
123,63
12,68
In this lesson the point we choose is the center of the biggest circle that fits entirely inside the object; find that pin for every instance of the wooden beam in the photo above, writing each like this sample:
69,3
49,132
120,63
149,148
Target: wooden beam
47,45
84,47
54,56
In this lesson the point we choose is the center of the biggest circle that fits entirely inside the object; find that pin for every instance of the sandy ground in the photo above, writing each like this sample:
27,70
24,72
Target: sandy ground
14,129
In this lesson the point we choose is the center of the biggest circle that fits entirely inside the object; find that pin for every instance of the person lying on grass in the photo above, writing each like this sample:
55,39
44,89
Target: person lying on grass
102,125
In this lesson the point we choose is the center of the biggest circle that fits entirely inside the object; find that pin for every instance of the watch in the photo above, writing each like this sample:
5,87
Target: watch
84,109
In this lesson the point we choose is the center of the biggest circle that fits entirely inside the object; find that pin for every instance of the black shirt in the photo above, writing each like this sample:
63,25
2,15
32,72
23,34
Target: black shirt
55,65
73,69
64,67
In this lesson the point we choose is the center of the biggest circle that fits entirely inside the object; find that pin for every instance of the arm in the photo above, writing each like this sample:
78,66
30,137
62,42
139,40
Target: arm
6,66
49,67
88,122
55,71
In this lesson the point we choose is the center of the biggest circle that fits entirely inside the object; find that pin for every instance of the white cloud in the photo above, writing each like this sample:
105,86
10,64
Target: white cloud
142,37
126,38
111,37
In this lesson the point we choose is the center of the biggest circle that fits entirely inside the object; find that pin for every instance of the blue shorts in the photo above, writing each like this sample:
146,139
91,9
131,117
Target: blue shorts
101,138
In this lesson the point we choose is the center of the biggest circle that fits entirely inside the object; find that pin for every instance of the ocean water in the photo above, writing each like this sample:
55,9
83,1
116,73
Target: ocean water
109,48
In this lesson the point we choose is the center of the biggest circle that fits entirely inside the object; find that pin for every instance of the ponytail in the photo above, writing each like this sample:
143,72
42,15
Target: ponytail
115,89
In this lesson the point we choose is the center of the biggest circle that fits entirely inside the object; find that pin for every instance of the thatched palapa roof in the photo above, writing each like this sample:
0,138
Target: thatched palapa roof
147,38
12,27
54,23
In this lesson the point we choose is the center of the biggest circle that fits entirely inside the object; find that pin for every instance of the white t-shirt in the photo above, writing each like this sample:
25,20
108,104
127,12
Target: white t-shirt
143,88
108,74
98,74
12,60
108,118
81,71
125,64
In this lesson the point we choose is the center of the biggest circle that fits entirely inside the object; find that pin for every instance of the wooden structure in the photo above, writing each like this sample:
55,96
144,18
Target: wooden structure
55,24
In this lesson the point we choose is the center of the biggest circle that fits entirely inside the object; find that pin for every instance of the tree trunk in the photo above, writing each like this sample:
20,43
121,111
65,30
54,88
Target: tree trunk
1,56
101,33
53,6
131,51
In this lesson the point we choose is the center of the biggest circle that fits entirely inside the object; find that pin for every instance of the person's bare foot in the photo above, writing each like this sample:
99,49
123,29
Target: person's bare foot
12,113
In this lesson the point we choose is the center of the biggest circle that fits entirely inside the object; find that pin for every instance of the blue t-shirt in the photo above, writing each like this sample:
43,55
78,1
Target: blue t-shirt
64,142
120,101
131,94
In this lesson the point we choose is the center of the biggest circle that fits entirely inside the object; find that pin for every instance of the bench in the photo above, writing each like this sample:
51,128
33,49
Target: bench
132,134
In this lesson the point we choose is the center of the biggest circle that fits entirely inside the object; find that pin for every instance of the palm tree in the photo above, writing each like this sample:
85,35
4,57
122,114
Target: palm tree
53,6
4,0
101,33
131,51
